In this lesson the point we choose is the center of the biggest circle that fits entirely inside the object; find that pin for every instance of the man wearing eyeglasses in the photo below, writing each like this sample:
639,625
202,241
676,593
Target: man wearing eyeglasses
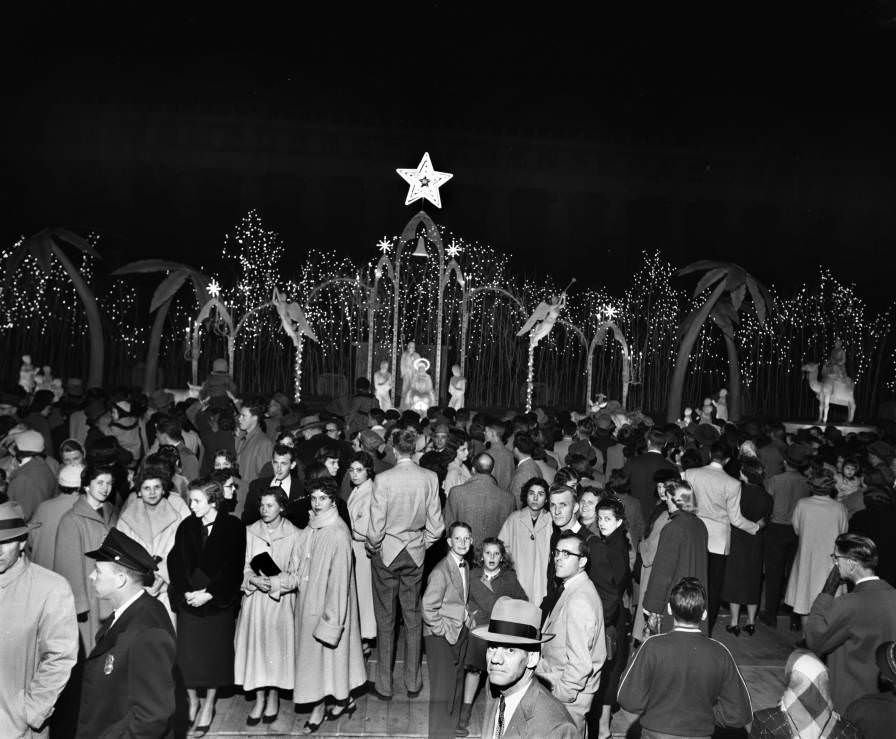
571,662
848,629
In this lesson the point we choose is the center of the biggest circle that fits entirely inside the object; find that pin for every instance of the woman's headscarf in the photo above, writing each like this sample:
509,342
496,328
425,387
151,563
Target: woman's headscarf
807,698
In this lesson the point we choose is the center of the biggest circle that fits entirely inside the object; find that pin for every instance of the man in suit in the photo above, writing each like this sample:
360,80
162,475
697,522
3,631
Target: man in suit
642,468
718,505
526,467
504,460
405,520
571,663
169,430
848,629
33,482
480,501
128,686
683,683
563,502
287,476
518,705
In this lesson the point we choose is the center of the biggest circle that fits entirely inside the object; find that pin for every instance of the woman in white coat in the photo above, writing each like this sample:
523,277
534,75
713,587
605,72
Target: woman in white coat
817,520
360,472
527,537
265,632
150,517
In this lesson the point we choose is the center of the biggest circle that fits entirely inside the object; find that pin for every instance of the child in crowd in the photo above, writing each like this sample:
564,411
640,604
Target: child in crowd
446,629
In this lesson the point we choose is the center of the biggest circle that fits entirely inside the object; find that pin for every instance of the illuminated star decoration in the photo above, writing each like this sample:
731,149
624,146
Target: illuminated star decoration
384,245
453,250
610,312
214,289
424,182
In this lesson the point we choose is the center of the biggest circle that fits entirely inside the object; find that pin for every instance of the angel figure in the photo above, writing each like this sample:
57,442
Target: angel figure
408,358
457,388
420,395
292,317
382,386
543,318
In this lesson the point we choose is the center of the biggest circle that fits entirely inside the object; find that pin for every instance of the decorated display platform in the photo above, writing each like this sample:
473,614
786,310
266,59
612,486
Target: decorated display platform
791,427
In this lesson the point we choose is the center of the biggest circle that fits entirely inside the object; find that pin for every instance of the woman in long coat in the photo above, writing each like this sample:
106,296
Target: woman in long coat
657,519
206,569
527,537
266,629
360,471
82,529
150,517
743,572
817,520
611,574
329,661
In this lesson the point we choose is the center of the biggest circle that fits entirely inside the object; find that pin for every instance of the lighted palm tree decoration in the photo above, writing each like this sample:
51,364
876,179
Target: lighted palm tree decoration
46,245
731,283
178,275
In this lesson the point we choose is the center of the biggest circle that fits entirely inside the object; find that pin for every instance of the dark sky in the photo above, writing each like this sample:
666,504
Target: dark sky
752,134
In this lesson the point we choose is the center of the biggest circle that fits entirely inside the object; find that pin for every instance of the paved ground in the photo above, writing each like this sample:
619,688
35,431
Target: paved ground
761,659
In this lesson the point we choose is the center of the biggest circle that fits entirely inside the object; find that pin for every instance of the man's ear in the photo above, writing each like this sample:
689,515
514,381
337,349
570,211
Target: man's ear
669,608
533,658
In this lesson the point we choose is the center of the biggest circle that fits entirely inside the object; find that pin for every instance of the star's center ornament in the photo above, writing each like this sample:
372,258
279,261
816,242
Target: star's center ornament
424,182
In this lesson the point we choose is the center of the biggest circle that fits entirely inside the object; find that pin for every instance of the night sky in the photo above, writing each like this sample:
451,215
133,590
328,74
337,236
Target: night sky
754,135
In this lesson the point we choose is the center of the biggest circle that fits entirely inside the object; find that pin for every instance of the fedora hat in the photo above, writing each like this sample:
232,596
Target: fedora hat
12,522
310,422
161,400
513,622
881,449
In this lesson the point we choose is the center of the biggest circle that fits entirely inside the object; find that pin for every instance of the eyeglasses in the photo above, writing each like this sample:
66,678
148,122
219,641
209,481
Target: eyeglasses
563,554
836,556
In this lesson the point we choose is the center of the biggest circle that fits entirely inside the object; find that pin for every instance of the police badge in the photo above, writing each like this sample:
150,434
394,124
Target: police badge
110,664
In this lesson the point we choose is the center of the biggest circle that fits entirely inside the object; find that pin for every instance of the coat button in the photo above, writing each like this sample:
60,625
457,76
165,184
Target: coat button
532,537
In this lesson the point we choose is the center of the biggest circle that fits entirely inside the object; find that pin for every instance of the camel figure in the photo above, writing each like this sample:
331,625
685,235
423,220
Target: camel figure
830,392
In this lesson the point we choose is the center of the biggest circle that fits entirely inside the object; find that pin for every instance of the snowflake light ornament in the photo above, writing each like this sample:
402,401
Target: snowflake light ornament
453,251
424,182
384,245
214,289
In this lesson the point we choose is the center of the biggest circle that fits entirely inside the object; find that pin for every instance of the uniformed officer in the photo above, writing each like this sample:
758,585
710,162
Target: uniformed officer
128,686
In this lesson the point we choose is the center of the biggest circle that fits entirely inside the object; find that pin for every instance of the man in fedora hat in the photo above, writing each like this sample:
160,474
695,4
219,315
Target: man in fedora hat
128,686
779,547
38,633
519,706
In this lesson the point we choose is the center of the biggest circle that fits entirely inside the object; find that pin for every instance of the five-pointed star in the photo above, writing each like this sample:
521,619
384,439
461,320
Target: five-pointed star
453,250
384,245
424,182
214,289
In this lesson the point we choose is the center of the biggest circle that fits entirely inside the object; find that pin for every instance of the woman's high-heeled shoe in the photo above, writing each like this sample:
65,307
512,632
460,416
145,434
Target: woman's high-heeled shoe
749,629
202,729
330,715
735,630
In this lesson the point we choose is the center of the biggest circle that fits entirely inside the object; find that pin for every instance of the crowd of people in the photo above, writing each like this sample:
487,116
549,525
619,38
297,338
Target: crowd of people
565,565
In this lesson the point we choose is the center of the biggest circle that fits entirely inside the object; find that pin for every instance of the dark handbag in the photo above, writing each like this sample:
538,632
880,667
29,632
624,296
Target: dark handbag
263,564
199,580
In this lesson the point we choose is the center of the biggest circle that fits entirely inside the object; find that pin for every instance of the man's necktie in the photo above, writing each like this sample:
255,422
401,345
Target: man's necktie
462,566
499,726
105,625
